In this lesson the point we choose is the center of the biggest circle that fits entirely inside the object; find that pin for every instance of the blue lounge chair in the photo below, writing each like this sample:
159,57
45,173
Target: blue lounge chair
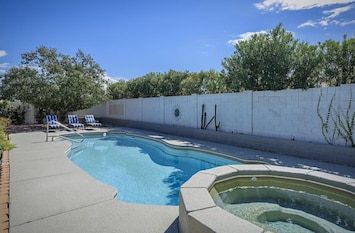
90,120
73,121
52,121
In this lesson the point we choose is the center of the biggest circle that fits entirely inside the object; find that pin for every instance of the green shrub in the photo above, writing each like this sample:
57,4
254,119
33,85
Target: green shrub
15,114
5,144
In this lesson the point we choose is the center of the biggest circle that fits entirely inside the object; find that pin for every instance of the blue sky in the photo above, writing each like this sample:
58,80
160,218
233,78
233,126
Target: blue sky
130,38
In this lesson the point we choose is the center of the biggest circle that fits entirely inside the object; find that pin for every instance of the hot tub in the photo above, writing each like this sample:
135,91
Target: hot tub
257,198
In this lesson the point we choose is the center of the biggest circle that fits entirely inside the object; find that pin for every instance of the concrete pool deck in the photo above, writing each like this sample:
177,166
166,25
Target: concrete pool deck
48,193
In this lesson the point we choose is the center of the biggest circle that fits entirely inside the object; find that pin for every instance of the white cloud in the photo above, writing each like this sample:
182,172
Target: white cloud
3,53
337,11
309,23
275,5
344,23
331,18
244,36
112,79
324,22
4,67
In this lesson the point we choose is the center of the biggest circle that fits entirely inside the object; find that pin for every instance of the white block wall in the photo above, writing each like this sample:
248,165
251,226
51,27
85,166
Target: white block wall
289,114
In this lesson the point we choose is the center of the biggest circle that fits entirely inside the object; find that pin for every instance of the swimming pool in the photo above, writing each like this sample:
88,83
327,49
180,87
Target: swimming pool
143,170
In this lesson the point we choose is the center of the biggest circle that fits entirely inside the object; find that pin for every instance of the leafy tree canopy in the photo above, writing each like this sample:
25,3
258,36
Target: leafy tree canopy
338,61
117,90
54,82
272,61
171,83
276,60
262,62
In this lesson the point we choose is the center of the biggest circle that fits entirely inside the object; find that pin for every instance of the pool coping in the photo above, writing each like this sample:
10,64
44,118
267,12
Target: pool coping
199,212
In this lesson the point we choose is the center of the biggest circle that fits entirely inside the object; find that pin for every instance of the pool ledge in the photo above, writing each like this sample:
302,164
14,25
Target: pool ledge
199,213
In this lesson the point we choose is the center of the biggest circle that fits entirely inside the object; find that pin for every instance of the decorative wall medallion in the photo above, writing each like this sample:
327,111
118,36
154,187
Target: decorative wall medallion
177,112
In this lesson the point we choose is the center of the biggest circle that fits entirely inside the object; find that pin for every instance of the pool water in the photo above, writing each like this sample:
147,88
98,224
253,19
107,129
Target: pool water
285,205
143,171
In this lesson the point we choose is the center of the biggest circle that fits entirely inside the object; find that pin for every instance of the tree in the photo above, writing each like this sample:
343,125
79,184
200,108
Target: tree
263,62
117,90
192,84
339,61
212,82
156,84
170,82
146,86
306,67
204,82
54,82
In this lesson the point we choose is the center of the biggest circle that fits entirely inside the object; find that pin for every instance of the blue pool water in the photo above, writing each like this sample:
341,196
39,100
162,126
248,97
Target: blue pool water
143,171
